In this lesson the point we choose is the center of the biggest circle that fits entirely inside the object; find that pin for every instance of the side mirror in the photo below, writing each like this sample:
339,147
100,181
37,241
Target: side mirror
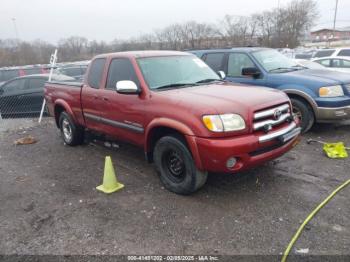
221,74
251,71
127,87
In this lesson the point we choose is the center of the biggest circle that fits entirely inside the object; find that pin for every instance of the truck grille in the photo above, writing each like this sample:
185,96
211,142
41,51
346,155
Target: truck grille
269,118
348,87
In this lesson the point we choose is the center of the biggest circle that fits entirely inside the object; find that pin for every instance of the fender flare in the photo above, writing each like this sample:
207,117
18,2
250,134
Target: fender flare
179,127
304,95
67,108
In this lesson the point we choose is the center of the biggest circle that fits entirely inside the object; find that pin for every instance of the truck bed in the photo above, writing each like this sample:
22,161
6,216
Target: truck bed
65,93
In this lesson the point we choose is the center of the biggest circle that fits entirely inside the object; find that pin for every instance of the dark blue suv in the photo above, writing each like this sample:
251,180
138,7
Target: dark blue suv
316,95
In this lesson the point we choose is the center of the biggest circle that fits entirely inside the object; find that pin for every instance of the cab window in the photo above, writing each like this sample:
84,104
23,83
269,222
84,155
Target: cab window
96,72
120,69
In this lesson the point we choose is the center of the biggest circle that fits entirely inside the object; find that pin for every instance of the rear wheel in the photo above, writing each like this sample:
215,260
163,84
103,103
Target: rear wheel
176,167
72,134
304,112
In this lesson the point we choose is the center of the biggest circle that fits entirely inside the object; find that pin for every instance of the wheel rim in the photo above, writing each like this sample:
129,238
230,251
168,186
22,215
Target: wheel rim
174,166
297,112
67,130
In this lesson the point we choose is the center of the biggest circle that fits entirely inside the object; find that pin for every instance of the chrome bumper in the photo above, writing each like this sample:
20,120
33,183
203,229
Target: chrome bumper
286,133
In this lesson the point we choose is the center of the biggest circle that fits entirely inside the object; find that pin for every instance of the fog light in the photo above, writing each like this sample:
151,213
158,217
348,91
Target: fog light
231,162
340,113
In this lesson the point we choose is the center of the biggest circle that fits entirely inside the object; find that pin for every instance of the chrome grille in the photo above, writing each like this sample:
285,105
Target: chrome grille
269,118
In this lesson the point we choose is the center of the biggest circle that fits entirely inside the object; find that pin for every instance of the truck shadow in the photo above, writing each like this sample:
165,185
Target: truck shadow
218,183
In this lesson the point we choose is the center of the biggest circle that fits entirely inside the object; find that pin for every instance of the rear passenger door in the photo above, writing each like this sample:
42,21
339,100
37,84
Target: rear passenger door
122,114
235,63
91,98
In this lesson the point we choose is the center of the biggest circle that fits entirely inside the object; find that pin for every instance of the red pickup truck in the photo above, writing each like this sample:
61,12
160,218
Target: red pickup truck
187,120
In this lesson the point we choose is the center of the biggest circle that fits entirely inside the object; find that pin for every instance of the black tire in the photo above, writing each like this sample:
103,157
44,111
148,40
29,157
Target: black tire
175,166
67,125
305,114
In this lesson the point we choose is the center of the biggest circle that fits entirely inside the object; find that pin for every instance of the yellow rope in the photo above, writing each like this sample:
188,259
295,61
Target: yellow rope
312,214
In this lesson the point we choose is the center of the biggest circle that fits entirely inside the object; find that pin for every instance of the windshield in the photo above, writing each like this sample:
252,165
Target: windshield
273,60
174,71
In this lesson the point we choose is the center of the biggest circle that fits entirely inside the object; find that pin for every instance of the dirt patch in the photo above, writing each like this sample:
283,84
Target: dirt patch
49,204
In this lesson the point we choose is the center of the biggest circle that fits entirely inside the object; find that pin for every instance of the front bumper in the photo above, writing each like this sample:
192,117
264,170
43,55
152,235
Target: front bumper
249,150
330,114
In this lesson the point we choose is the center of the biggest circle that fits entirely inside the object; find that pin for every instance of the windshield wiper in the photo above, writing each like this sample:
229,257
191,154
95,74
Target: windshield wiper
208,80
175,85
282,68
300,67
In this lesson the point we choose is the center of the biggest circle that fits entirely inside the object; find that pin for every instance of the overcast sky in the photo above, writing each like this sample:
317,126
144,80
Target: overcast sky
106,20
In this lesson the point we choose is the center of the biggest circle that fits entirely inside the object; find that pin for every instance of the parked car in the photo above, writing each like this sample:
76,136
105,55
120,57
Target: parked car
332,52
309,64
177,109
23,96
339,63
317,95
75,71
34,70
13,72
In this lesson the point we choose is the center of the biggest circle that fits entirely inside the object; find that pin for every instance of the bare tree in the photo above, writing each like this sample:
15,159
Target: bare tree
281,27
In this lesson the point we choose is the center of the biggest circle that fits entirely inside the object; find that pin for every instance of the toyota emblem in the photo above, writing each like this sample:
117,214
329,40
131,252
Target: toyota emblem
277,114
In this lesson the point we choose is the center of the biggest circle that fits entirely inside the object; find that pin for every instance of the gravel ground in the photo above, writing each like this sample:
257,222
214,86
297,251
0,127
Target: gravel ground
49,204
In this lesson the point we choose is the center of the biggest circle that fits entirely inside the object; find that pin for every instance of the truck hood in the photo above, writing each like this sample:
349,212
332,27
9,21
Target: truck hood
314,77
225,98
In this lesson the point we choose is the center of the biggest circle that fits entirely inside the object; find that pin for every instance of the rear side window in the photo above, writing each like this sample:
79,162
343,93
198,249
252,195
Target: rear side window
96,72
36,83
344,52
341,63
120,69
324,53
215,61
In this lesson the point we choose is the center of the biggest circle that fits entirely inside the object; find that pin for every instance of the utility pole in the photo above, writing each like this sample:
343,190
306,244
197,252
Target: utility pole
15,26
335,18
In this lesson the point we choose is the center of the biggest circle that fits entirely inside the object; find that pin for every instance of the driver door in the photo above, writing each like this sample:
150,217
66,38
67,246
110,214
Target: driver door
122,114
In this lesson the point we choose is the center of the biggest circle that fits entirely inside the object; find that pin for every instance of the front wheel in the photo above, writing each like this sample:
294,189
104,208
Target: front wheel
72,134
176,167
304,112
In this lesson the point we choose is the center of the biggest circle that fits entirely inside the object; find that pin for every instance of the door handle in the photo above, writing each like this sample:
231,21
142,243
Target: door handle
95,96
105,98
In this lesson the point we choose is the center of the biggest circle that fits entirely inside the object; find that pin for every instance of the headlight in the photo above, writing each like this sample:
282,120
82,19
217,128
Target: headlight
224,123
331,91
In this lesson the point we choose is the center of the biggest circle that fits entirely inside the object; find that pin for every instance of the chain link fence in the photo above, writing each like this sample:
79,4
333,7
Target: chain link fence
21,99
